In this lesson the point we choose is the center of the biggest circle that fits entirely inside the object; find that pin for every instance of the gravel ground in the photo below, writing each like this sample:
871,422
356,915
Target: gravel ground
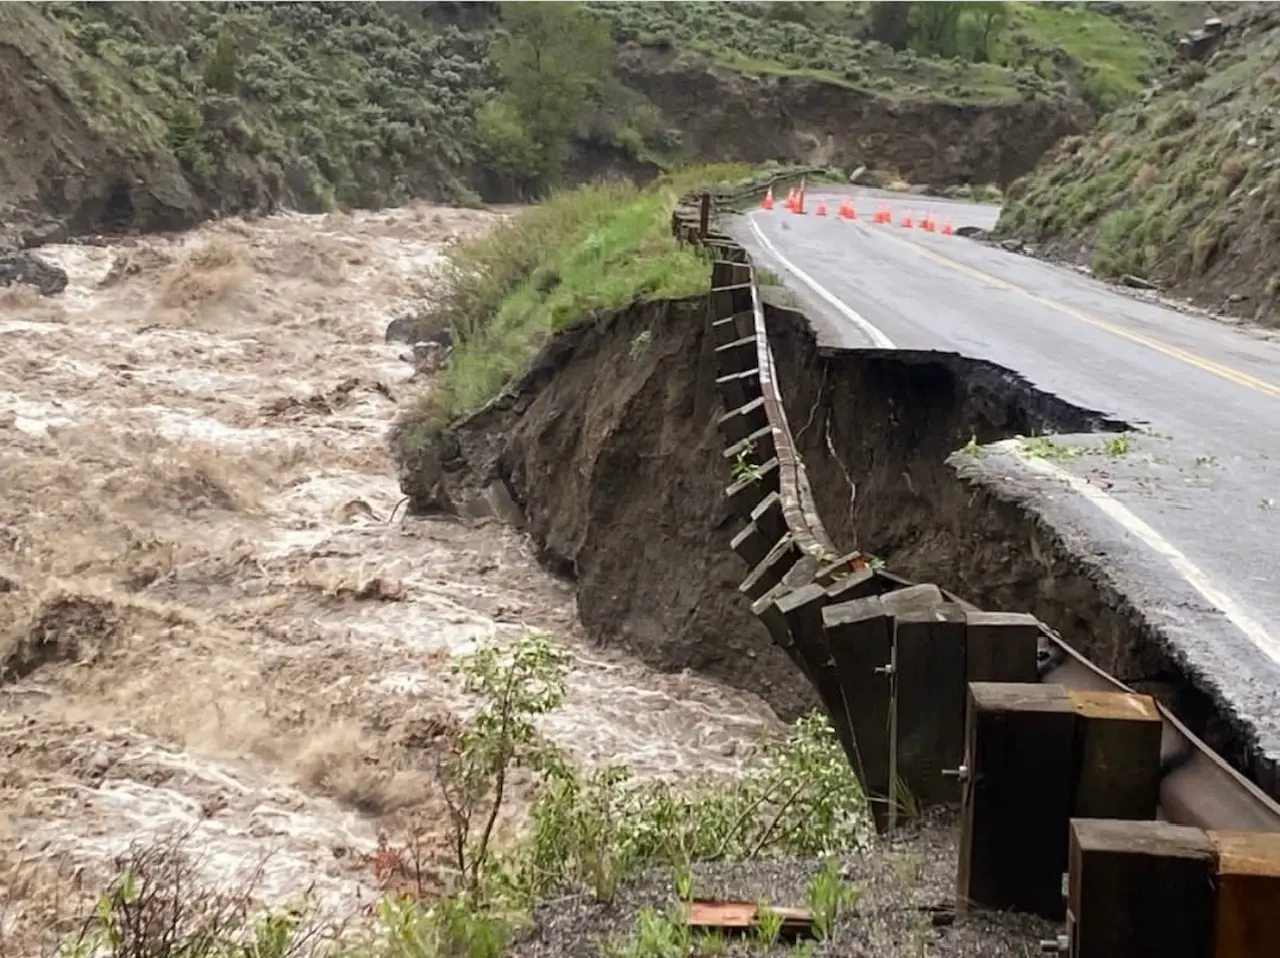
906,907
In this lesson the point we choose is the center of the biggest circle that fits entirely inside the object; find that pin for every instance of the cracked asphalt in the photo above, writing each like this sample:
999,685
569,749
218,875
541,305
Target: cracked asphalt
1188,518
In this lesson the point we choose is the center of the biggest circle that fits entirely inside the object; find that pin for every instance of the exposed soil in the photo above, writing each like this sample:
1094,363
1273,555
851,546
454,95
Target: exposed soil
609,445
724,114
638,517
902,419
208,620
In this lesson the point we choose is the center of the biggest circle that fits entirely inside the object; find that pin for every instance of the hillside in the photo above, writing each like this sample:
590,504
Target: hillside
1181,189
157,115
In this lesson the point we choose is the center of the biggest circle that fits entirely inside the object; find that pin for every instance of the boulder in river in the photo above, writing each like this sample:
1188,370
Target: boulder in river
27,268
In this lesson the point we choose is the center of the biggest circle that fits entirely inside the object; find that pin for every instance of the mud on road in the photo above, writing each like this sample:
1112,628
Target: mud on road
207,620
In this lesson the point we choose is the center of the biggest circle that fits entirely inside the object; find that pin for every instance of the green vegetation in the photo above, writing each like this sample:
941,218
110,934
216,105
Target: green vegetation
587,834
595,247
551,57
358,103
1177,190
962,51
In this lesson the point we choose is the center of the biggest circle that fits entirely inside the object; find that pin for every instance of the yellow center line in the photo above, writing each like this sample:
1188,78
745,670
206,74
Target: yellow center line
1174,352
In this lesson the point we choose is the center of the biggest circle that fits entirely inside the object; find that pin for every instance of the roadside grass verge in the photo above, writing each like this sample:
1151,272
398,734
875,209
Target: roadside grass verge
596,247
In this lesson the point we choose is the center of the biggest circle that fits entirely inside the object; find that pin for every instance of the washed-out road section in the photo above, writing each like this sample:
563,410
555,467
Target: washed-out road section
1185,511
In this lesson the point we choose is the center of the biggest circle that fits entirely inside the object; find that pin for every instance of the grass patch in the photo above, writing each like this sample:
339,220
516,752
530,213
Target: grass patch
1102,54
596,247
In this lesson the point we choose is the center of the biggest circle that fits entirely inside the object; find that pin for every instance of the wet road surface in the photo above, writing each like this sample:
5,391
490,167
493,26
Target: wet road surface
1186,509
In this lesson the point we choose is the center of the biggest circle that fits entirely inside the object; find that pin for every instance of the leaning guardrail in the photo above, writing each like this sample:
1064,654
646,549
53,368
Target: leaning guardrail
1057,766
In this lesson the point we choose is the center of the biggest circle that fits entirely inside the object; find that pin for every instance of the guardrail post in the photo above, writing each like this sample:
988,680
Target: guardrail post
704,214
1018,778
1138,889
1036,756
929,692
860,636
1247,916
1001,646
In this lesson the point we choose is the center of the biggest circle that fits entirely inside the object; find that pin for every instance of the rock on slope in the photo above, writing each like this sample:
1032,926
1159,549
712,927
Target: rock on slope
1183,188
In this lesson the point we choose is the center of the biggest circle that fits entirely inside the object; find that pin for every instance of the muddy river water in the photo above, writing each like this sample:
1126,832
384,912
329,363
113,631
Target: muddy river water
210,621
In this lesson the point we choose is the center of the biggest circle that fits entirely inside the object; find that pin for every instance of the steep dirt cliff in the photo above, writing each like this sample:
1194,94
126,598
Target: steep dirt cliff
609,446
724,114
608,443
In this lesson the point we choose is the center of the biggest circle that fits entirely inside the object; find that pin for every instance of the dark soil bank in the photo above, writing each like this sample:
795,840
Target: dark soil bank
609,446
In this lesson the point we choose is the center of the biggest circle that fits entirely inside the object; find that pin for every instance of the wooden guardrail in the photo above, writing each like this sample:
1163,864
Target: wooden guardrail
1059,768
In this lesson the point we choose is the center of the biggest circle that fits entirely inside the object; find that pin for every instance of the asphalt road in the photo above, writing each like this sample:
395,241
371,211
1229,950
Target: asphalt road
1189,517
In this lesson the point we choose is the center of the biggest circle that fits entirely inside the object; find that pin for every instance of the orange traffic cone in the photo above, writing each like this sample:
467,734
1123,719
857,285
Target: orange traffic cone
946,227
882,214
790,202
926,224
847,211
820,209
767,202
907,220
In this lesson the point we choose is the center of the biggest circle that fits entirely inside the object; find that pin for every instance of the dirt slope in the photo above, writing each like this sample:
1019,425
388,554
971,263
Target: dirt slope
609,445
725,114
1182,189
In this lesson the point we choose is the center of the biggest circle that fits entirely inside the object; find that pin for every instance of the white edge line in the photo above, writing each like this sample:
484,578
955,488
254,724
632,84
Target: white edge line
1113,510
878,338
1187,569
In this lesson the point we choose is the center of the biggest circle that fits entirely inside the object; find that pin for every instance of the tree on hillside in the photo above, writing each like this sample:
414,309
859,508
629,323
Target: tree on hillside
891,24
935,28
989,20
551,57
940,29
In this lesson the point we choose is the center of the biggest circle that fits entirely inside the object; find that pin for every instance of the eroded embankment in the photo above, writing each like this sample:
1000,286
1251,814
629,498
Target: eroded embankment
891,425
609,446
608,443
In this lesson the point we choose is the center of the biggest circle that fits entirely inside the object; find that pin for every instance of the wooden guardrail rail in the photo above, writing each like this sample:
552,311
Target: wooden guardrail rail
1059,769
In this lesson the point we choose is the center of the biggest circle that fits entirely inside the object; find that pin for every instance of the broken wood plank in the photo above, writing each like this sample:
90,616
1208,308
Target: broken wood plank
740,917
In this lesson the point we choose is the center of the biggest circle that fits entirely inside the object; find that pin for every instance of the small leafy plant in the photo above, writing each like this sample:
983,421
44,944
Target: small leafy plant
828,894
